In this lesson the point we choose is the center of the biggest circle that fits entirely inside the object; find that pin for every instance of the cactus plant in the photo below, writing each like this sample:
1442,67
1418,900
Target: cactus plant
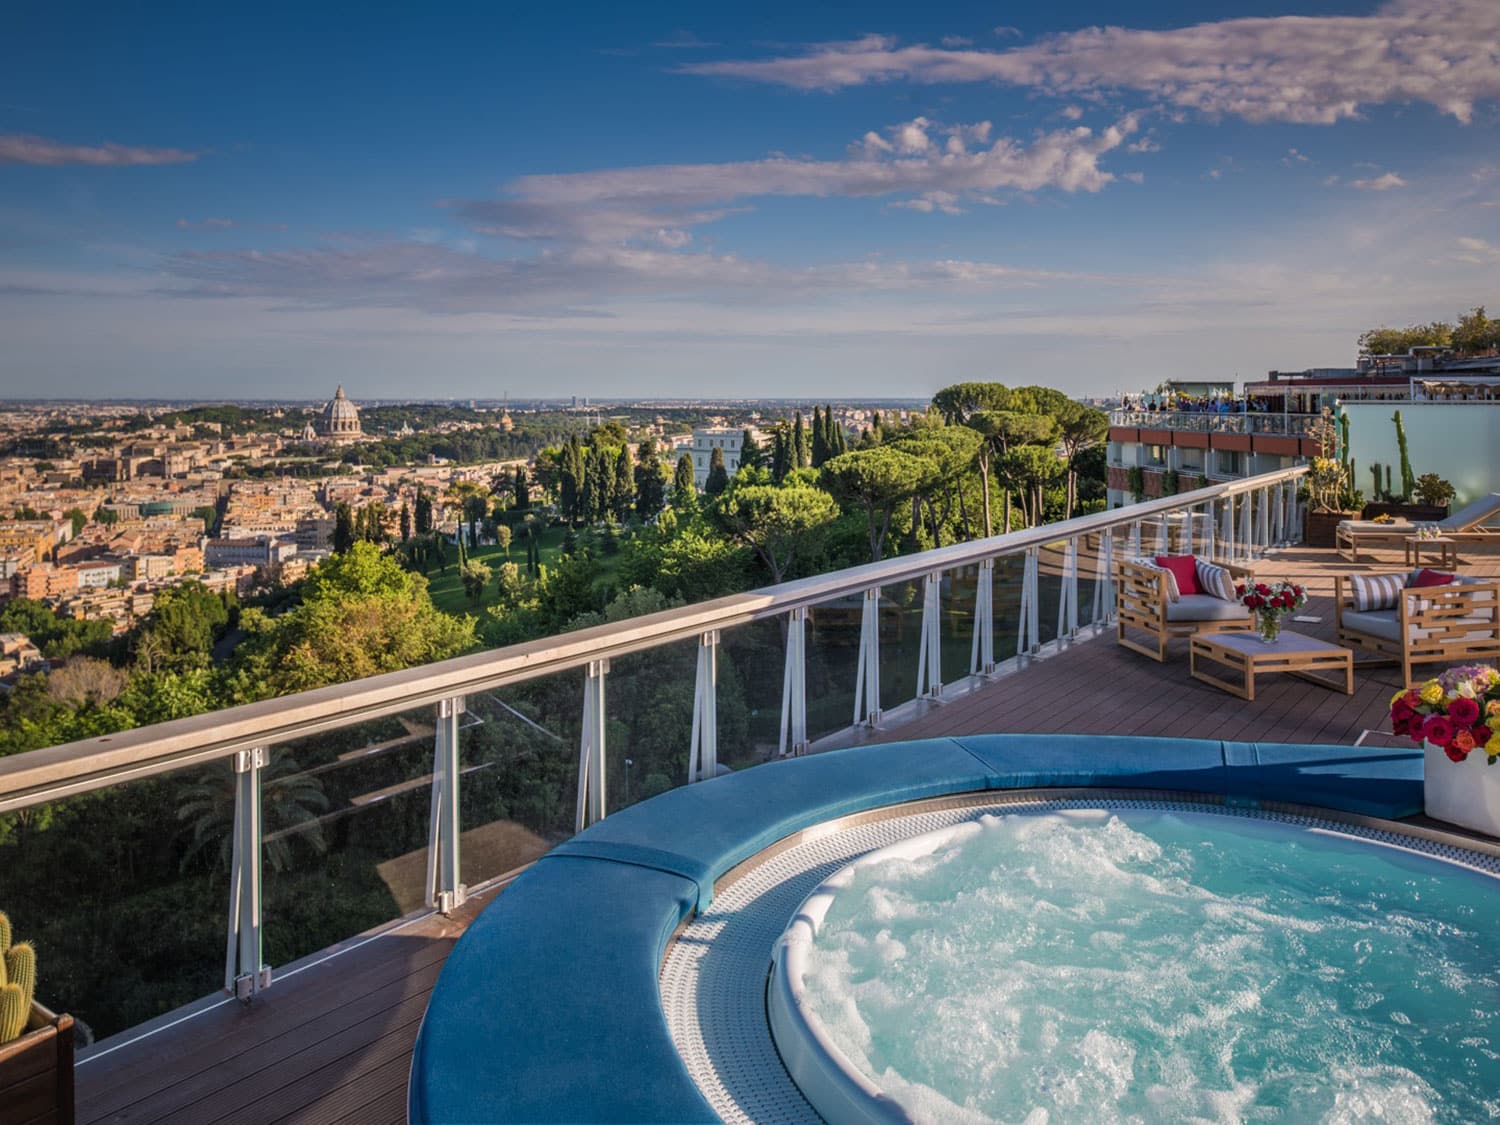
17,983
1408,478
1376,491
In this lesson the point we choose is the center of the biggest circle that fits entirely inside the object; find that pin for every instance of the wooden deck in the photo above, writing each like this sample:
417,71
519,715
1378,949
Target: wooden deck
331,1042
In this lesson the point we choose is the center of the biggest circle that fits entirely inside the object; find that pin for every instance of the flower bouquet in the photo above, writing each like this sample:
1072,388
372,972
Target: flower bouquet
1457,717
1271,602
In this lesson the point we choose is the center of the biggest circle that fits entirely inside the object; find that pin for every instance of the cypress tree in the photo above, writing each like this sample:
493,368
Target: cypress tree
800,453
343,528
718,475
819,438
624,487
752,456
522,488
650,488
424,512
781,453
405,523
684,491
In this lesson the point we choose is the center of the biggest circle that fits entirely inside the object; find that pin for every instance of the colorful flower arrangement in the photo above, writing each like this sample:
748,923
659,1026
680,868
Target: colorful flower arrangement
1429,531
1459,711
1271,602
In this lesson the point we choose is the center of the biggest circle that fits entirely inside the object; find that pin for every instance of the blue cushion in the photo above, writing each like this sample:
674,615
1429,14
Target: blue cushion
548,1008
701,831
1366,780
1028,761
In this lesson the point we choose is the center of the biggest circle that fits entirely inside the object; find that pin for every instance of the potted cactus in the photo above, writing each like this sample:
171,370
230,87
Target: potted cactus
36,1046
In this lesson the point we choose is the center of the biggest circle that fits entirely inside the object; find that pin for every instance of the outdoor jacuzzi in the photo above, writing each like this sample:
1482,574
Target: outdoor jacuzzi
1081,961
995,927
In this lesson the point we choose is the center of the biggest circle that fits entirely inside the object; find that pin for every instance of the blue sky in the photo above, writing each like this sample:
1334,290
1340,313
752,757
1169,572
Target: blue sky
681,199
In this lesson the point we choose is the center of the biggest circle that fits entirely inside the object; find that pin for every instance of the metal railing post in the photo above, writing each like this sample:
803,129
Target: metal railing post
794,686
1208,531
930,657
1246,544
982,650
867,685
1028,633
591,804
1226,532
1104,581
1263,521
445,893
1067,593
1134,546
244,973
1278,517
703,753
1163,543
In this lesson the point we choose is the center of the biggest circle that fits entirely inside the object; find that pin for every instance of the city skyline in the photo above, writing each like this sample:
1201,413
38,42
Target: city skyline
687,203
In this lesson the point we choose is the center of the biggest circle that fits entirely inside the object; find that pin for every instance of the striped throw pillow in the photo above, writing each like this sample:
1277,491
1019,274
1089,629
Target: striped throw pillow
1215,581
1376,591
1151,564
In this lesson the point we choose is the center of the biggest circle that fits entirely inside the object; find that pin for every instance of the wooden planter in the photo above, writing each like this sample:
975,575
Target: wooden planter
36,1072
1416,513
1320,529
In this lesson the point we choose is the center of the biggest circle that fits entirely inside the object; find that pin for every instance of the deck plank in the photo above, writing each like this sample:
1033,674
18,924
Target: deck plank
332,1043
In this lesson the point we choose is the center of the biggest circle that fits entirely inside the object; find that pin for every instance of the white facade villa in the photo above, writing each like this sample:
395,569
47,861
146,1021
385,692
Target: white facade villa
726,438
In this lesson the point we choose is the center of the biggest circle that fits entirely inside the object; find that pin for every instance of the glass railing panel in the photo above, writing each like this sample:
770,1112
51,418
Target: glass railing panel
832,664
1006,605
518,779
346,816
900,641
752,663
956,597
649,704
1049,588
125,895
1089,577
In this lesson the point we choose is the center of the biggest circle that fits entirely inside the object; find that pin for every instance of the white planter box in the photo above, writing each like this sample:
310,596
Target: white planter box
1465,793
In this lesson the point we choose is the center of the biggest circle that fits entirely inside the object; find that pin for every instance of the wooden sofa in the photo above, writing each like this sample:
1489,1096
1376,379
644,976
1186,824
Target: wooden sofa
1141,603
1447,625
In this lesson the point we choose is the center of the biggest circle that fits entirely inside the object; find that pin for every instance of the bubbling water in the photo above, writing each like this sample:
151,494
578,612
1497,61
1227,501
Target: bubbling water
1148,966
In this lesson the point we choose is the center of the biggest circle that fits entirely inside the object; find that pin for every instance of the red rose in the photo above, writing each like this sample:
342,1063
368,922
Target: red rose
1412,700
1463,712
1454,753
1239,591
1481,733
1262,588
1438,730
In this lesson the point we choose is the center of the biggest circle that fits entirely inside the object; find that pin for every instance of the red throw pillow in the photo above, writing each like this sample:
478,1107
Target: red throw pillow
1184,569
1430,578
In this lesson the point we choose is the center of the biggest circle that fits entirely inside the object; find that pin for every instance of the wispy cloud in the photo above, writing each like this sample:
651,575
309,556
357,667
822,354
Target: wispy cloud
205,224
920,159
1310,70
683,40
1477,252
1383,182
22,148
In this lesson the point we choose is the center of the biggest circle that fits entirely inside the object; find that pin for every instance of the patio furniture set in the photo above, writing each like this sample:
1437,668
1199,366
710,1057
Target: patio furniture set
1418,618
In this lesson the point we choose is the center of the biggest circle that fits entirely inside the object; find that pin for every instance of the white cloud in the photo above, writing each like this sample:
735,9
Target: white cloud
1294,157
1383,182
1072,112
1477,252
21,148
1310,70
623,205
956,41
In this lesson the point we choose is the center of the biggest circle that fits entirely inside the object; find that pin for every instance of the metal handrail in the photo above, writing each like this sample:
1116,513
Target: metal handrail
1207,421
65,770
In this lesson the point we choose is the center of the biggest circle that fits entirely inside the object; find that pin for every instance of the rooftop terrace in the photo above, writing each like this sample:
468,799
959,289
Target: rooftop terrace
331,1039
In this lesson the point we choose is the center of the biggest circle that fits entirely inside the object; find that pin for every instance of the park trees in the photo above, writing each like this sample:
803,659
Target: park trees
361,614
877,481
778,523
1080,428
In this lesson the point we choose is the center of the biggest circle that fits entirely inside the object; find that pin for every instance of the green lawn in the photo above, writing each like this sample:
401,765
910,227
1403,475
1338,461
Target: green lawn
448,592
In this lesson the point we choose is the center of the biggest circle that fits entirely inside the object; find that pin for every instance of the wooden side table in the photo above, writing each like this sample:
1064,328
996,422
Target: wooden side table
1446,548
1292,653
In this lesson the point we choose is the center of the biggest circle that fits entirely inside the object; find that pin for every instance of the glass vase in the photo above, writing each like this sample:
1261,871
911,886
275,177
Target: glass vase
1268,625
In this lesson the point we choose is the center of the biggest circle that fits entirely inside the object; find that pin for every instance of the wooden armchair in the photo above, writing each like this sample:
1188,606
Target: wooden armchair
1454,624
1142,604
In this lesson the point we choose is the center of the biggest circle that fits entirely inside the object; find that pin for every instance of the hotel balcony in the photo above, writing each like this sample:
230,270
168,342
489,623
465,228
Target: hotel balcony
320,854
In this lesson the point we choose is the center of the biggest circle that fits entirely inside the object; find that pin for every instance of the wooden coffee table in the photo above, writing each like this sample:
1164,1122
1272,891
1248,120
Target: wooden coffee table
1446,549
1292,653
